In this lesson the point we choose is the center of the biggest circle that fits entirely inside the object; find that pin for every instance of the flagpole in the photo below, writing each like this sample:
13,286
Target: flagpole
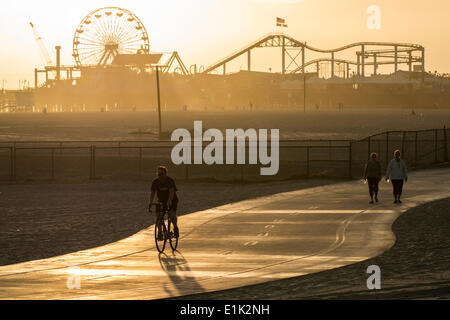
304,91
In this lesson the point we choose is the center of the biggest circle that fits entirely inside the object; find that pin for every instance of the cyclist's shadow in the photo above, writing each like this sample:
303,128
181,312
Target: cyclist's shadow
177,268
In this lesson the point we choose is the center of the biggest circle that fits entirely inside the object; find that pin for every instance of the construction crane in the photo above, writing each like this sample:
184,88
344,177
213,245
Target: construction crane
43,51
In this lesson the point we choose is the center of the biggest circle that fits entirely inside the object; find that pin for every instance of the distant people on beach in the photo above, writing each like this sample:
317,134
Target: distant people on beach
397,173
413,113
341,106
372,174
317,107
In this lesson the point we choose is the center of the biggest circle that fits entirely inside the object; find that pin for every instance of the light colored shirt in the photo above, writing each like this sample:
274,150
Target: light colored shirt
396,170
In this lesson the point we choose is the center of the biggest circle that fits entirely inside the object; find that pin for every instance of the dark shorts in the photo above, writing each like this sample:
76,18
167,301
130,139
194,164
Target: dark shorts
398,186
173,207
373,185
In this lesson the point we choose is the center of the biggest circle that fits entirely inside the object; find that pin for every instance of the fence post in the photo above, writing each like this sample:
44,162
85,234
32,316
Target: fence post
350,160
140,162
307,161
93,162
90,162
329,148
12,163
415,149
53,164
445,145
435,145
403,144
15,163
387,148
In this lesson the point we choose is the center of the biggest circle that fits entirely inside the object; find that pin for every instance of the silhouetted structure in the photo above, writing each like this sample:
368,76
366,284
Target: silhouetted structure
112,73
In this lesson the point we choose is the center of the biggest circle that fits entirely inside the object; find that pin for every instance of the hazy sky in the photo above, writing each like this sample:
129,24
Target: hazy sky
203,31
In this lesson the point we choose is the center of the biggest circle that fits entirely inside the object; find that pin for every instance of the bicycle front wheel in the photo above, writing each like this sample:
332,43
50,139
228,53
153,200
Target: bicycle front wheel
160,236
172,240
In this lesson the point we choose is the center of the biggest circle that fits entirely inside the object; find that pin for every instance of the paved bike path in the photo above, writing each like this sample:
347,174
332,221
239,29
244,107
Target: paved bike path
248,242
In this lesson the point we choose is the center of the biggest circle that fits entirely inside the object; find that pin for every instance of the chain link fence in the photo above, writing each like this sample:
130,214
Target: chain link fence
137,160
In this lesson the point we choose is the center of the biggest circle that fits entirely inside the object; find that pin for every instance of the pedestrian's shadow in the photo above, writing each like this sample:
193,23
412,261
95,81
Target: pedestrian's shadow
179,272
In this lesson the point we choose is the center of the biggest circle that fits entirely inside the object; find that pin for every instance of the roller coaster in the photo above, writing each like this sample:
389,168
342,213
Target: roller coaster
113,37
391,53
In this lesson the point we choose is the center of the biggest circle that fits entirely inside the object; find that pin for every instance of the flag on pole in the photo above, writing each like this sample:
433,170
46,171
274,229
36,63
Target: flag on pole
281,22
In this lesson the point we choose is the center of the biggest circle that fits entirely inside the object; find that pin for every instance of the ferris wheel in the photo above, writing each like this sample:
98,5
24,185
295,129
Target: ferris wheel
107,32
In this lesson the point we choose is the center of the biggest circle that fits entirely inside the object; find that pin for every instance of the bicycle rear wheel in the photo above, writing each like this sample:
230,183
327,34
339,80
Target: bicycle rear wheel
160,244
172,240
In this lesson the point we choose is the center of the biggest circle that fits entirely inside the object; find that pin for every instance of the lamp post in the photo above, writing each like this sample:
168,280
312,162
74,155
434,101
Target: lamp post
304,92
159,101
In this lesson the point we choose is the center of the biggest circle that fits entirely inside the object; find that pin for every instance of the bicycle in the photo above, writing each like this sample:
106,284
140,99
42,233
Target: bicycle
167,231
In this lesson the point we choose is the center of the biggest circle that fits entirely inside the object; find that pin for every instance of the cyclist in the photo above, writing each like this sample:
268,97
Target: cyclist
165,188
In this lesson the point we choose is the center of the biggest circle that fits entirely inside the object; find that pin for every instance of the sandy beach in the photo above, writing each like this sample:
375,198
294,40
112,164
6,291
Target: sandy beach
293,123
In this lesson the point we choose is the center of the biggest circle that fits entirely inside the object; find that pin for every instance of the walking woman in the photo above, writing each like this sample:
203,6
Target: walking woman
372,173
397,172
